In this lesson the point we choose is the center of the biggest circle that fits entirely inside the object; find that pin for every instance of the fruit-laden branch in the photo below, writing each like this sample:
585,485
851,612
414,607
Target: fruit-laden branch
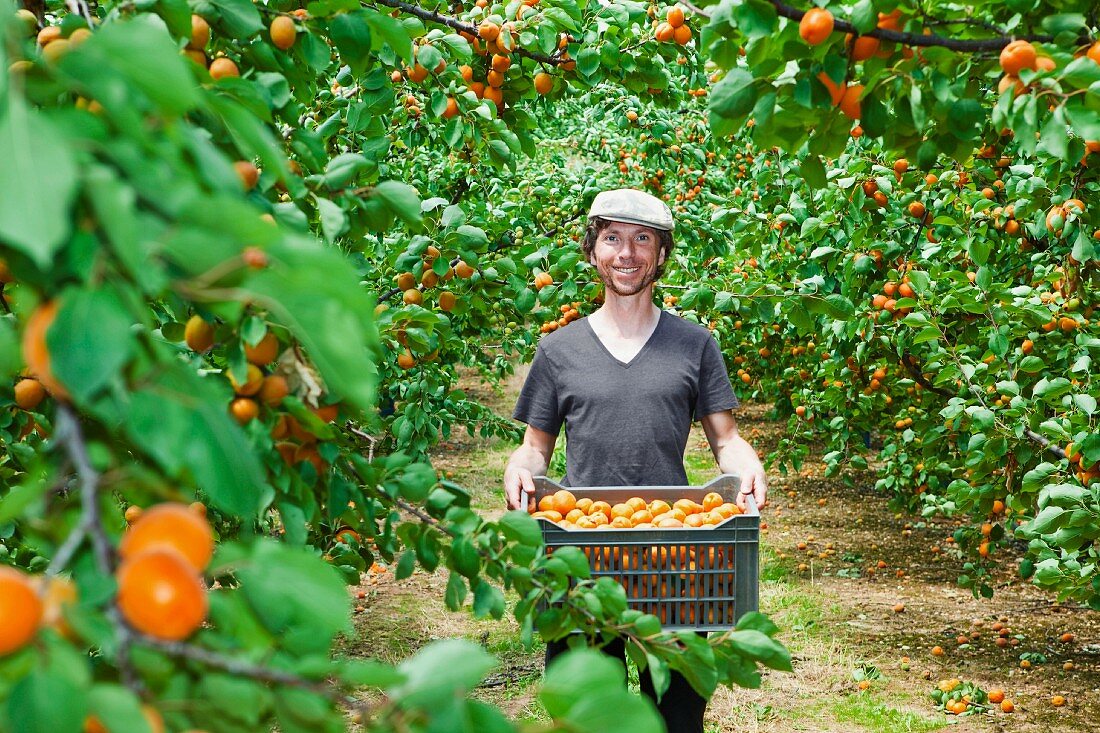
71,437
918,39
1050,446
919,377
458,25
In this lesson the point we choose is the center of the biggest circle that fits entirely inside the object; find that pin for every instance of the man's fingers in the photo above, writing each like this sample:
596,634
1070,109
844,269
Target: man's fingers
528,484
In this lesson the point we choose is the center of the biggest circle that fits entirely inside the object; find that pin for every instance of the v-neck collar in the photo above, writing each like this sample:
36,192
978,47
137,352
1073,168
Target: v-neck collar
641,352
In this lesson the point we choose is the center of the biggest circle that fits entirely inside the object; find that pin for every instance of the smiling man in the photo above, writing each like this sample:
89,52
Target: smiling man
626,383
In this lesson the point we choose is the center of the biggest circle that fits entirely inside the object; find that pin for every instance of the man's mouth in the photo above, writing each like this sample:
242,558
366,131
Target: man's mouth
626,270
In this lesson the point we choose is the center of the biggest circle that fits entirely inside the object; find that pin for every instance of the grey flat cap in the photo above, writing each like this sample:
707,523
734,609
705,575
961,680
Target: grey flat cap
632,207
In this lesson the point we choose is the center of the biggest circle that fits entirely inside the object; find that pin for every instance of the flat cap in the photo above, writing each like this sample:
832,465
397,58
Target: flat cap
632,207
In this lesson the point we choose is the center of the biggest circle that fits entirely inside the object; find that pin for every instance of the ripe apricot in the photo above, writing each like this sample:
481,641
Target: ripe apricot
1017,56
675,16
664,32
863,48
283,32
263,352
600,507
249,174
563,501
29,393
21,610
160,594
174,526
198,334
273,390
543,83
222,67
252,384
488,31
849,103
200,33
412,296
36,354
815,26
244,410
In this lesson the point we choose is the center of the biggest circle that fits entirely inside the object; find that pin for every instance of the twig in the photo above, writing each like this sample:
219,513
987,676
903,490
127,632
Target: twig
235,666
366,436
695,9
71,437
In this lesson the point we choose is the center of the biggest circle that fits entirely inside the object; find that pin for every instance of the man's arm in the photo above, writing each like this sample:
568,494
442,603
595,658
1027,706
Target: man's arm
735,455
531,459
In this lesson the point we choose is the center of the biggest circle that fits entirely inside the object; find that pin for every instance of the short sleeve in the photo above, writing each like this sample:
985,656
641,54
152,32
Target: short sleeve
715,391
538,399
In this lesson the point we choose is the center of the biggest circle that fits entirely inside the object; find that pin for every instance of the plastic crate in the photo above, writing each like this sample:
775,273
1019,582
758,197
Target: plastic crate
702,579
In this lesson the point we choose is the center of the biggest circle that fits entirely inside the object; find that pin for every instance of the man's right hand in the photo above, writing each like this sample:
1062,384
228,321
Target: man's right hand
519,488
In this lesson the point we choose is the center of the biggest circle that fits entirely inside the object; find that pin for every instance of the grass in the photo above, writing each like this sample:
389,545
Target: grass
878,717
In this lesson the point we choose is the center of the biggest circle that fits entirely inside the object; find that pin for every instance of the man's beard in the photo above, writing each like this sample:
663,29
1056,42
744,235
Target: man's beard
609,283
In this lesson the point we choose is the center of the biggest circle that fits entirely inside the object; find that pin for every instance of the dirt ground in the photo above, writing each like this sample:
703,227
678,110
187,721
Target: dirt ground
869,592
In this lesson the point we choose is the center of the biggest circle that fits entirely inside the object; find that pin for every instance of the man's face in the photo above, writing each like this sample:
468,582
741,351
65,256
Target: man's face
626,257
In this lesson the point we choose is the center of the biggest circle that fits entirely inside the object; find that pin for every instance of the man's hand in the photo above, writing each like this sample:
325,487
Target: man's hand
528,460
519,488
736,456
753,479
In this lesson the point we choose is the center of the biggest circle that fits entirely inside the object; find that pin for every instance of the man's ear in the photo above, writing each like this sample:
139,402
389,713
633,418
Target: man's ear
661,257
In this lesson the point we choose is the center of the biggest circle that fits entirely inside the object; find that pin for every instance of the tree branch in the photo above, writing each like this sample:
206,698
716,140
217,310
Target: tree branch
434,17
917,39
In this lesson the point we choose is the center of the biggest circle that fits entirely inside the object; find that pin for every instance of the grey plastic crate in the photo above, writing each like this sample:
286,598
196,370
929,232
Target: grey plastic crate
690,578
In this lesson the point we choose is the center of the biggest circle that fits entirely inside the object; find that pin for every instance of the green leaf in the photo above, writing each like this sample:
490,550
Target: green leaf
350,32
401,199
117,708
1045,521
575,671
390,30
369,673
465,558
455,592
141,51
588,60
576,560
755,18
734,95
176,401
488,600
813,171
240,17
441,670
1086,402
316,293
297,596
334,220
33,703
1032,364
521,527
90,341
979,248
39,178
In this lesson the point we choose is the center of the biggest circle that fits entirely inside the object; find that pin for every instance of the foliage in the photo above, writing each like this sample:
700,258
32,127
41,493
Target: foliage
249,271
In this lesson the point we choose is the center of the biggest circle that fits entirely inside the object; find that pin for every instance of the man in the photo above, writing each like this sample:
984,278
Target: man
626,382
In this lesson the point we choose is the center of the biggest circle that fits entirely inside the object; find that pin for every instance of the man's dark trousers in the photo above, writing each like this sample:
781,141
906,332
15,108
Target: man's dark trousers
681,707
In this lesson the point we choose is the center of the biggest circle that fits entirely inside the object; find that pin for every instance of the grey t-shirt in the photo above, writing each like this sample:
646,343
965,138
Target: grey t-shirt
627,424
